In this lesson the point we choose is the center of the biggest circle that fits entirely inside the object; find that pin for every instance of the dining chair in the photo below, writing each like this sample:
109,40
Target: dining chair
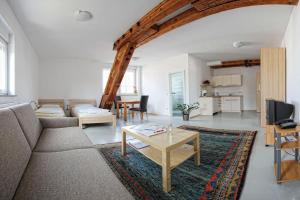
142,108
118,98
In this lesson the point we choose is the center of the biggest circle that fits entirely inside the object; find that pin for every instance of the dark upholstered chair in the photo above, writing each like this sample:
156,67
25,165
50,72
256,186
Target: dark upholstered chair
118,98
143,107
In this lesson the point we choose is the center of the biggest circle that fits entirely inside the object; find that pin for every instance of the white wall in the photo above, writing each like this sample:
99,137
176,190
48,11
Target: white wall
198,72
26,61
71,78
155,81
291,41
248,89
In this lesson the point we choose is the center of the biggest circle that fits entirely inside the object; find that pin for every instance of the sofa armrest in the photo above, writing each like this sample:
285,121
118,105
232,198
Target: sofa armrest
61,122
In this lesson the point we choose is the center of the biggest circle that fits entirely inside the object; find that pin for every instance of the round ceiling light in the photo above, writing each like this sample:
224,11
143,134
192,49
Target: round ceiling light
239,44
83,15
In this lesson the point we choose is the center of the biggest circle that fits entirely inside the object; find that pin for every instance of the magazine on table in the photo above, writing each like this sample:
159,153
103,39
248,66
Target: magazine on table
137,144
149,129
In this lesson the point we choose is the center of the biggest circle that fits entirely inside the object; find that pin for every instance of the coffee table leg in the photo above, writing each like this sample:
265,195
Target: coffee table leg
166,171
123,143
197,150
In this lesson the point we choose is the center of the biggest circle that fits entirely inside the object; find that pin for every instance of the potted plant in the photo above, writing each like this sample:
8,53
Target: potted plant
186,109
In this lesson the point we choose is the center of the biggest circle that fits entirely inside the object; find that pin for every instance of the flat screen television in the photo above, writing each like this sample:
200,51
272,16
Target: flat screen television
278,110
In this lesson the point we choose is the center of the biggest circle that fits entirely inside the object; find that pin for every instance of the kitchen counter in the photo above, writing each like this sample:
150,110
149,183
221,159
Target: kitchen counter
210,105
226,96
209,97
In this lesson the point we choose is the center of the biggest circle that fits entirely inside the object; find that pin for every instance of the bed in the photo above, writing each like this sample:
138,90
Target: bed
88,113
50,108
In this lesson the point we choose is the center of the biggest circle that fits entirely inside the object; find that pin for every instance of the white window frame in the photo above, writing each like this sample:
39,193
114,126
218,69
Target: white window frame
5,92
120,92
137,78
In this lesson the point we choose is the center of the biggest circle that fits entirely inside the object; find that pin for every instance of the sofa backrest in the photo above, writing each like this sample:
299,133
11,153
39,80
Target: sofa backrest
29,123
15,153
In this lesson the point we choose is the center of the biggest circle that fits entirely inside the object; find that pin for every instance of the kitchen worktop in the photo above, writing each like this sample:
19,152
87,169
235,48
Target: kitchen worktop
222,96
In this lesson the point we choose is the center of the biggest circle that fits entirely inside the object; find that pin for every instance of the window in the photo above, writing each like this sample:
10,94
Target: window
7,59
3,67
129,85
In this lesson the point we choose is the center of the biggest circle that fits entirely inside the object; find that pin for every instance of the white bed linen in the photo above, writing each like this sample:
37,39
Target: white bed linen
50,112
89,111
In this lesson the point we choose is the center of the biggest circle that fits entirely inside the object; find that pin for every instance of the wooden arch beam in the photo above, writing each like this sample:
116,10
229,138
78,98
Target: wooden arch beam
152,25
159,12
207,8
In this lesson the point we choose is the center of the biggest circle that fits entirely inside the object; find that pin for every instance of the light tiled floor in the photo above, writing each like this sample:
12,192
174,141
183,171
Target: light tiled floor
260,181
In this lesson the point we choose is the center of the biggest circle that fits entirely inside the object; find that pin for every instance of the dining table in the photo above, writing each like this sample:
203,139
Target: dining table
124,104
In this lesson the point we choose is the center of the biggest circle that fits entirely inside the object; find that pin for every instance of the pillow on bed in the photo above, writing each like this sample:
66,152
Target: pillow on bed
50,106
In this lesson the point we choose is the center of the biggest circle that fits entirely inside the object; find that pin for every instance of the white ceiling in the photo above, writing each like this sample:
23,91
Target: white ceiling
54,33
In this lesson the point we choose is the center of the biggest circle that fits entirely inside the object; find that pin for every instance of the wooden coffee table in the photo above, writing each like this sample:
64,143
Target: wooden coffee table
167,149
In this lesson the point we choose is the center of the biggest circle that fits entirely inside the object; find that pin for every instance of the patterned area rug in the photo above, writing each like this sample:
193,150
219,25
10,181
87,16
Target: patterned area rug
221,174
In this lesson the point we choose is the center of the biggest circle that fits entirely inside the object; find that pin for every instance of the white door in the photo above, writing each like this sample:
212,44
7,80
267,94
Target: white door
177,90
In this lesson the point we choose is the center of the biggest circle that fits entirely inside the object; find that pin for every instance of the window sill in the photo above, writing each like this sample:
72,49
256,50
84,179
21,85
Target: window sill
7,95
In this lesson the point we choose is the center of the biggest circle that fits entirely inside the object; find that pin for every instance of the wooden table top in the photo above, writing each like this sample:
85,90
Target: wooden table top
129,101
286,131
165,140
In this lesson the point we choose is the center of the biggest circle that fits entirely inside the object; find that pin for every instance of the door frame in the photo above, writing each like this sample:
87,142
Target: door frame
170,89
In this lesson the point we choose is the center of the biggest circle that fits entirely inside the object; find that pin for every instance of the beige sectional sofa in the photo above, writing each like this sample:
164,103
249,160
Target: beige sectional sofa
51,159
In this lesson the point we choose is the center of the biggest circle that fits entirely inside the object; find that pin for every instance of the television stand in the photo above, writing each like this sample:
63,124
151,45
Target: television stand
286,170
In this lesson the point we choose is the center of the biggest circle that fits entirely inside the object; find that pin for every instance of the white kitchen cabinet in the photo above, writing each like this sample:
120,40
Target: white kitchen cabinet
217,80
216,104
236,79
236,104
231,104
227,80
209,105
225,104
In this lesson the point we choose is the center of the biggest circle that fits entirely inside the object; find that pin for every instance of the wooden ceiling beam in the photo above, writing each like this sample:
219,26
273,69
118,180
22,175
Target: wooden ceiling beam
237,63
159,12
193,14
117,72
201,5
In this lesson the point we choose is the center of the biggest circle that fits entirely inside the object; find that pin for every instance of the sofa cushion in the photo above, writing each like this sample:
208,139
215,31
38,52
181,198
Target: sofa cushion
61,139
30,124
75,174
14,153
60,122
